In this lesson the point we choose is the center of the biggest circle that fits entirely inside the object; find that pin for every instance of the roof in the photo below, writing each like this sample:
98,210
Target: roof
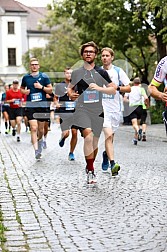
11,6
34,14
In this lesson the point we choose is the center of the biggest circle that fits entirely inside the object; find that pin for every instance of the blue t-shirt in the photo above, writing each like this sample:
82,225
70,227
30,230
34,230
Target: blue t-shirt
36,95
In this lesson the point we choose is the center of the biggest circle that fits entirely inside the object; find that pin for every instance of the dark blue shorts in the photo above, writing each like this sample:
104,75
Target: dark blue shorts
14,112
40,114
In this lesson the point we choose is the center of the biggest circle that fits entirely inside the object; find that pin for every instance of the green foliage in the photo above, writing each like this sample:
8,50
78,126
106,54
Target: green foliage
130,27
62,49
135,30
2,230
156,112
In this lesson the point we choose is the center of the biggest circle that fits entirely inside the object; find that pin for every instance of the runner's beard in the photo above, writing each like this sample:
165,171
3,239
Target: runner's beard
90,62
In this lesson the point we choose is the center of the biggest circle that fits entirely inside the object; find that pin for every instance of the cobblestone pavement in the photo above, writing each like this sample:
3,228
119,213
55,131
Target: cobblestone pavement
47,205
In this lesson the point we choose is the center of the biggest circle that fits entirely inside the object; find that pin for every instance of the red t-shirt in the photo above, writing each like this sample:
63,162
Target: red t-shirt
11,94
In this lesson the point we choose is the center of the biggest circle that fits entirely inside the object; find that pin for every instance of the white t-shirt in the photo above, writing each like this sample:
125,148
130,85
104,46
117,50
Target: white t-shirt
160,72
113,103
135,96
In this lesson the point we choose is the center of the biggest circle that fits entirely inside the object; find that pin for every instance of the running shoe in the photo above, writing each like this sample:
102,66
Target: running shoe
115,169
6,131
134,141
91,178
71,157
44,145
18,139
37,154
105,163
13,132
40,144
139,134
144,138
61,142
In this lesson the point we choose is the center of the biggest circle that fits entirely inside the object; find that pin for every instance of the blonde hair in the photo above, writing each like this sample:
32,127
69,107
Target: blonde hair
33,59
108,49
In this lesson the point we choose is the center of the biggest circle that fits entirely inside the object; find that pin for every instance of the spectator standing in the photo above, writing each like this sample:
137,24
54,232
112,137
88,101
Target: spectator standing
36,85
112,108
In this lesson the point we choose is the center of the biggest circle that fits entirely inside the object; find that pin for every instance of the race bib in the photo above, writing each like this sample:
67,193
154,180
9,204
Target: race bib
36,97
70,105
108,97
16,102
91,96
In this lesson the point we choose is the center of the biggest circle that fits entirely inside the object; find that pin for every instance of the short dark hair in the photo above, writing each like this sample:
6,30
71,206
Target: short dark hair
15,82
91,43
67,68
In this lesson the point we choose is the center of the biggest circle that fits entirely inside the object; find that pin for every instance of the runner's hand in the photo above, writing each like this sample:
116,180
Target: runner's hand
38,85
74,96
164,97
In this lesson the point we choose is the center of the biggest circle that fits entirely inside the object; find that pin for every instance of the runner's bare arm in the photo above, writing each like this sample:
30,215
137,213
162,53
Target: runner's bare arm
155,93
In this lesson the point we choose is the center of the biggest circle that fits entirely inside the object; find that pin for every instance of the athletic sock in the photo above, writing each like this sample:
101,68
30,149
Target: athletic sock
6,125
90,164
112,163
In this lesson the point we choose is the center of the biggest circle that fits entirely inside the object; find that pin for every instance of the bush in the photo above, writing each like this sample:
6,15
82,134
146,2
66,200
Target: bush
156,112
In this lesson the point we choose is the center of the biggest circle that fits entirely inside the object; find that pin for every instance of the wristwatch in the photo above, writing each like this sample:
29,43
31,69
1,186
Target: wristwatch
118,88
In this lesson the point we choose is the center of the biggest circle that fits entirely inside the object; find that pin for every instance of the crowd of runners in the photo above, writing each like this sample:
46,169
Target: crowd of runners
87,102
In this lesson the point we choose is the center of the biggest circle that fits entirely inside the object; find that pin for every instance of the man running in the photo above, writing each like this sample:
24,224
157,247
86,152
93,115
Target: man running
14,98
35,85
112,108
65,108
86,87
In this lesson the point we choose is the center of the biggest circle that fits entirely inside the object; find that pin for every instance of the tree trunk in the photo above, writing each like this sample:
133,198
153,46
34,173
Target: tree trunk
161,48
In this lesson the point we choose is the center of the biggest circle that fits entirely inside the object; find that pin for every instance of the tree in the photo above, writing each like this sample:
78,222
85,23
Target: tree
62,49
154,14
131,27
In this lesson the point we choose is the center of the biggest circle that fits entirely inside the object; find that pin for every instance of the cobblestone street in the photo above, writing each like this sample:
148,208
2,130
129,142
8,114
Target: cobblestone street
47,205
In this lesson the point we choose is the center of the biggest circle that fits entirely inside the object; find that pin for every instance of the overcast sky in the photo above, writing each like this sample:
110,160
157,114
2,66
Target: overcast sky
35,3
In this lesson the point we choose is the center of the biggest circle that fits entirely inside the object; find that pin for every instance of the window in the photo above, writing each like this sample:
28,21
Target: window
10,27
12,56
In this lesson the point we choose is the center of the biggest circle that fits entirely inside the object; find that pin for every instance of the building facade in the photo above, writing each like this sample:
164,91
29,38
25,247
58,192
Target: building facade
19,32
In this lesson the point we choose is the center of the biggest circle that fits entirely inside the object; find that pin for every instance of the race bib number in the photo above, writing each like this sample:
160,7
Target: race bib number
16,102
70,105
36,97
91,96
108,97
